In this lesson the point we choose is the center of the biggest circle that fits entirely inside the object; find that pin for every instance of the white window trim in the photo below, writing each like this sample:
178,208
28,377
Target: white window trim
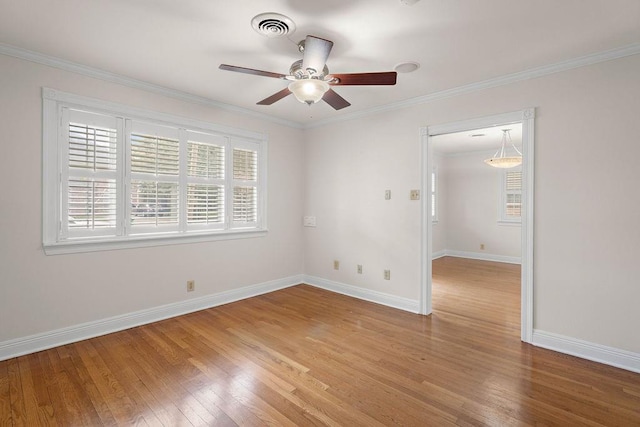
53,101
503,219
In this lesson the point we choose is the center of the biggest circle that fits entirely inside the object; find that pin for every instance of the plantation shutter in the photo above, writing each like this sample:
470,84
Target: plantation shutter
118,177
245,187
154,153
513,194
205,180
89,179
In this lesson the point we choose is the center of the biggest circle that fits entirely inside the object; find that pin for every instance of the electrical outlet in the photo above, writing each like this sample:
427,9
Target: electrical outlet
414,195
387,275
482,246
387,194
191,285
336,265
359,268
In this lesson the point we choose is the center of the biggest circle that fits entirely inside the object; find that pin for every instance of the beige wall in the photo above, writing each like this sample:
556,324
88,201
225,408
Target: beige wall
587,205
469,202
40,293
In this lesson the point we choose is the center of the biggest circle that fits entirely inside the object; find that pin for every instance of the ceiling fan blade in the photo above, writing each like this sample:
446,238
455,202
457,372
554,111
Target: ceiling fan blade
251,71
383,78
335,100
316,52
275,97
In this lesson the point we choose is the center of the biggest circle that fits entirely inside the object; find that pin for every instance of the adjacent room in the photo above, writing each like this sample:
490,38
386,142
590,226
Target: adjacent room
476,214
392,212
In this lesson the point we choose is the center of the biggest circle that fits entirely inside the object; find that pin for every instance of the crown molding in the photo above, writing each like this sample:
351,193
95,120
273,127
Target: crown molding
532,73
74,67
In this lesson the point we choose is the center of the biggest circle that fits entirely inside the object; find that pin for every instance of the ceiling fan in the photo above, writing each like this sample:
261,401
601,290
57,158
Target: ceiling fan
310,78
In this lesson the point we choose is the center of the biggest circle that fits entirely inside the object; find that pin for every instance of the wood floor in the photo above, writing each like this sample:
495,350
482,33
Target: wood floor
304,356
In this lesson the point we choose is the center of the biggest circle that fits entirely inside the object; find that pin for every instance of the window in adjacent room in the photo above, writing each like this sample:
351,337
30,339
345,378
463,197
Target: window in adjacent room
511,196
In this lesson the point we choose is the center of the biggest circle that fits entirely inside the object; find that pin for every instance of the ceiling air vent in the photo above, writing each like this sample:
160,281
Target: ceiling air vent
273,24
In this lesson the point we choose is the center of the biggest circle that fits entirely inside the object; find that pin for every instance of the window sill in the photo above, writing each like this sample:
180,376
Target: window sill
510,223
82,246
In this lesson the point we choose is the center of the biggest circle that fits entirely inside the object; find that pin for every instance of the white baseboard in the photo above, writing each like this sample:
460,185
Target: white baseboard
43,341
587,350
401,303
477,255
33,343
439,254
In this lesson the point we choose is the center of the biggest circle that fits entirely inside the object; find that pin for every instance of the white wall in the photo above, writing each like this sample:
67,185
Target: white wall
587,234
40,293
349,166
471,191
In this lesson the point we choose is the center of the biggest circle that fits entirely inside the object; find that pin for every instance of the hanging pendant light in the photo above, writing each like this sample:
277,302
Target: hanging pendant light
501,159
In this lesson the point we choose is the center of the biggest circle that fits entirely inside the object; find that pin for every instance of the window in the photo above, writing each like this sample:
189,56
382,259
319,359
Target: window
511,196
205,181
90,177
434,199
120,177
245,192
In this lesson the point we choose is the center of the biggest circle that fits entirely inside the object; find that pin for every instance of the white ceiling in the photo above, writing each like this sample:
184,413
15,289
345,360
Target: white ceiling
486,139
179,44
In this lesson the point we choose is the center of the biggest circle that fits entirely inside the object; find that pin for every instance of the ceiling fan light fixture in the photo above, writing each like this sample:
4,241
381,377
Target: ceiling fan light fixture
309,91
309,77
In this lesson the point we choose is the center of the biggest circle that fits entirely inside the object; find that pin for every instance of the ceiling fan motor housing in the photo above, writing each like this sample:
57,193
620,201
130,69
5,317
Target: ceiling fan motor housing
296,71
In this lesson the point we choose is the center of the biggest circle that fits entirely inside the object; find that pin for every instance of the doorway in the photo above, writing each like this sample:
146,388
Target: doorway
525,118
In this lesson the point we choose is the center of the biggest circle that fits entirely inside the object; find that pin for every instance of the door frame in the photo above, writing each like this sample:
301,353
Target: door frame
527,118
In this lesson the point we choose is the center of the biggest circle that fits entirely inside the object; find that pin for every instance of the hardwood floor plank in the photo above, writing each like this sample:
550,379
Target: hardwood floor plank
222,372
5,396
236,396
412,387
76,404
347,383
105,374
25,409
168,387
304,356
90,389
238,355
17,412
317,407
